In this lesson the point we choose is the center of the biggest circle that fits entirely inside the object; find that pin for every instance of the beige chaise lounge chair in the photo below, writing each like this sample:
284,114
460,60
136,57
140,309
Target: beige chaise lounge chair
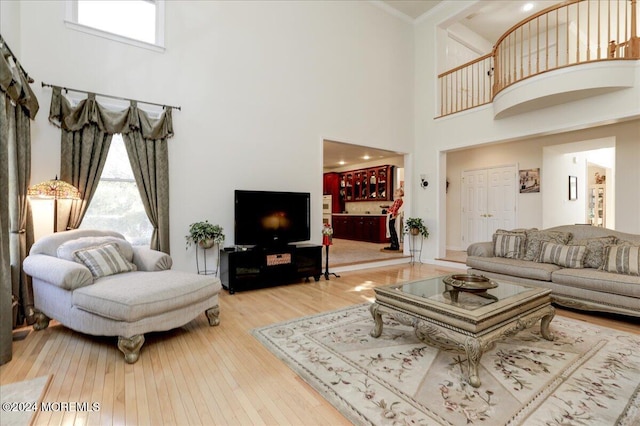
97,283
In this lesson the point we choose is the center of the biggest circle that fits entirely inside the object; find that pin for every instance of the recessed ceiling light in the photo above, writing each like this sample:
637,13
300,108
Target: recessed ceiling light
366,157
341,163
527,7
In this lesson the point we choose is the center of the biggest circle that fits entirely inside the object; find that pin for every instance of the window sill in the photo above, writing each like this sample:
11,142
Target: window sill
115,37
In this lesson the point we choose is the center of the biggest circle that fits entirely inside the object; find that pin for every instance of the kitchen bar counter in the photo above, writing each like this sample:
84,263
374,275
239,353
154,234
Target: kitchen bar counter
369,227
358,214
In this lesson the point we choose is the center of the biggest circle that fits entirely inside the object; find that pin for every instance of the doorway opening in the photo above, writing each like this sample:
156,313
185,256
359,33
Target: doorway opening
363,200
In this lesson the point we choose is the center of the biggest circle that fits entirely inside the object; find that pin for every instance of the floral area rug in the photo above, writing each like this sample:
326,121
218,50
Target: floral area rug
588,375
21,401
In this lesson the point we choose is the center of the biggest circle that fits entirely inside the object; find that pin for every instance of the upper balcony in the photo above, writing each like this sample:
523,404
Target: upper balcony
568,51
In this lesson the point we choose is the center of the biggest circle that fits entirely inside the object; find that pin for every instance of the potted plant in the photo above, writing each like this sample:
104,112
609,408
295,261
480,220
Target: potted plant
204,234
415,226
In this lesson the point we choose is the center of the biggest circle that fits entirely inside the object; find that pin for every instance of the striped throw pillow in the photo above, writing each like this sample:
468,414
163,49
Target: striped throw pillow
561,255
103,260
508,245
623,259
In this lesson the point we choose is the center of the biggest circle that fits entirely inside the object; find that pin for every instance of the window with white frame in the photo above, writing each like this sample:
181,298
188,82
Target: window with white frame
138,22
116,205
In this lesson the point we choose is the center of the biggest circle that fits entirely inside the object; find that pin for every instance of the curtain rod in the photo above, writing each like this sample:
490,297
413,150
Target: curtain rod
15,59
110,96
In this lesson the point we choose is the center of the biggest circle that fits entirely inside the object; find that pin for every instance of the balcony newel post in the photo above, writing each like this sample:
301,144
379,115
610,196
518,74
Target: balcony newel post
496,72
634,42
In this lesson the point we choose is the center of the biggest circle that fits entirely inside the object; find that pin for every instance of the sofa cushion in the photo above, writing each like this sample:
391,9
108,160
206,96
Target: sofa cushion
594,258
154,293
514,267
508,244
571,256
535,238
622,259
104,260
599,281
66,249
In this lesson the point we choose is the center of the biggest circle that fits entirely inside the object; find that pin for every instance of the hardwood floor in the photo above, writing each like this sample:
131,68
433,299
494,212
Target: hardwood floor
206,375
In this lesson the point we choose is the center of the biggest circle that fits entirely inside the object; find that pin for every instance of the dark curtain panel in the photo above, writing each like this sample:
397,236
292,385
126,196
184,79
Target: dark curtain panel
149,160
21,223
18,105
87,130
6,309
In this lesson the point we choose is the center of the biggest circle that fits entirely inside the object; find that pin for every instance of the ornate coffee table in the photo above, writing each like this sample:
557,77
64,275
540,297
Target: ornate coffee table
471,321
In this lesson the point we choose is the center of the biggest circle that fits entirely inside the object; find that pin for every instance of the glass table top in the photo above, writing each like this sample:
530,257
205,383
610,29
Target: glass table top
435,290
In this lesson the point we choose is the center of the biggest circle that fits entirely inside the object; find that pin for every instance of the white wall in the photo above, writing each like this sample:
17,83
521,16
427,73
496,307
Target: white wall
260,85
10,25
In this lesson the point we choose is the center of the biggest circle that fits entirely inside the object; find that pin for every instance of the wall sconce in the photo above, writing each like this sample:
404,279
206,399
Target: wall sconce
57,190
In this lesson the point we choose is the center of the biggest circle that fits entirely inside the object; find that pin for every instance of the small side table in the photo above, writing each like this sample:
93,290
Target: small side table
204,270
414,249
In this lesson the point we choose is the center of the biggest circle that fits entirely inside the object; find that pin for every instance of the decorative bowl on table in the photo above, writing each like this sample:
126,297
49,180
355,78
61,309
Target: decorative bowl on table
470,282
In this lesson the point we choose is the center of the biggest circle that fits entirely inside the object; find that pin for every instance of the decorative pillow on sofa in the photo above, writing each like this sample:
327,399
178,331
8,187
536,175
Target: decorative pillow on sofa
535,239
104,260
562,255
623,259
67,249
508,244
595,249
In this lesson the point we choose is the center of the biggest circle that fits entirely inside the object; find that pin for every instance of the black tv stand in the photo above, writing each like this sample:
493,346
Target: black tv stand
258,267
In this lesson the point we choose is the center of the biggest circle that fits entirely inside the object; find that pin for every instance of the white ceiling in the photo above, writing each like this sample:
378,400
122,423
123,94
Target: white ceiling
488,18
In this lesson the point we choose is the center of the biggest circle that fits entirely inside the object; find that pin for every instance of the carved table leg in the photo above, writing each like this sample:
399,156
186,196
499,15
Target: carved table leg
544,324
377,318
42,321
131,347
213,315
473,348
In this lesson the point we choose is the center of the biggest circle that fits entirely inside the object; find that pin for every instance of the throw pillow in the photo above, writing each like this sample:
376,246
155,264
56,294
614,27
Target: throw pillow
67,249
562,255
595,250
104,260
535,239
623,259
508,245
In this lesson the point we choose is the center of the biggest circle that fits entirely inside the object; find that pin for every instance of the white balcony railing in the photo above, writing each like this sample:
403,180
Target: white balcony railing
568,34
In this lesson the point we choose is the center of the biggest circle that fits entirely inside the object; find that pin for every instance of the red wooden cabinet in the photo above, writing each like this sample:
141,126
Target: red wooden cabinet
369,228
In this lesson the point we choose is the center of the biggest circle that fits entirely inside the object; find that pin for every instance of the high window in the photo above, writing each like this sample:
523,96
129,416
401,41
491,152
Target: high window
116,204
138,22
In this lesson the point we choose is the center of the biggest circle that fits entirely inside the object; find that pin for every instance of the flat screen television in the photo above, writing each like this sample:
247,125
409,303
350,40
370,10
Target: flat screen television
271,218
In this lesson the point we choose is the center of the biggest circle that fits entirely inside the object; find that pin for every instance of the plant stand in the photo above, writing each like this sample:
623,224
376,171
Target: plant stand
204,270
414,249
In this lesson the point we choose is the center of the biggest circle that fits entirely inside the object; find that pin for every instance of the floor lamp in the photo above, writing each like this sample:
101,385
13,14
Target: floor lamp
57,190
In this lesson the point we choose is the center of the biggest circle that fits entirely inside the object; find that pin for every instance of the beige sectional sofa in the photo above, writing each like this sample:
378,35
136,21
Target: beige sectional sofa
586,267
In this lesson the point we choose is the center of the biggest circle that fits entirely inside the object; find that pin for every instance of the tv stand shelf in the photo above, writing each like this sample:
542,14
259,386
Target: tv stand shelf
263,267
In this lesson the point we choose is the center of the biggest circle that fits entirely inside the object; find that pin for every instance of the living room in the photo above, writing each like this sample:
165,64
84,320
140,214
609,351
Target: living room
260,86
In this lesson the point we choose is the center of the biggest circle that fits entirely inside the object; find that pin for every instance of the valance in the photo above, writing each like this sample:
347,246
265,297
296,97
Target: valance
15,84
65,116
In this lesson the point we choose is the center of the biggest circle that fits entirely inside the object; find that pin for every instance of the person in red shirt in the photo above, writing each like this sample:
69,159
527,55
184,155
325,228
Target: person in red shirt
393,213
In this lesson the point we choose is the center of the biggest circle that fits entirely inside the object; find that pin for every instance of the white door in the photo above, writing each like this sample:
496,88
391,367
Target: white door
489,203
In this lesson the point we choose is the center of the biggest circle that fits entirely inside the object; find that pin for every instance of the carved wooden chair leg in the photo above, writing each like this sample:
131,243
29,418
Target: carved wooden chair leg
131,347
42,321
213,314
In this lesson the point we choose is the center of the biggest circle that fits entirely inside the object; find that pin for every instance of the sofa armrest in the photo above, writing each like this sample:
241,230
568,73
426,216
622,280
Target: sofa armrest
151,260
484,249
59,272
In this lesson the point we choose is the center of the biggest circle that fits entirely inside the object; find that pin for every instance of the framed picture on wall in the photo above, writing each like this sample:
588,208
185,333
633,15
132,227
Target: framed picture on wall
573,188
529,180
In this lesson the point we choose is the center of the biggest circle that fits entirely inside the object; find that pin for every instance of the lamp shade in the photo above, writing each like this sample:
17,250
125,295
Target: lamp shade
55,188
